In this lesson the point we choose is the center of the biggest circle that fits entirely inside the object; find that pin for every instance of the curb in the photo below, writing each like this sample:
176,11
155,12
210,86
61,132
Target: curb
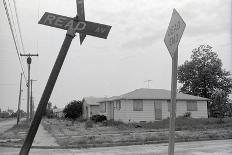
113,144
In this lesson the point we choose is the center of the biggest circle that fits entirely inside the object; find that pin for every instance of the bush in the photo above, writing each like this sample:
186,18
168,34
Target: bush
73,110
98,118
187,115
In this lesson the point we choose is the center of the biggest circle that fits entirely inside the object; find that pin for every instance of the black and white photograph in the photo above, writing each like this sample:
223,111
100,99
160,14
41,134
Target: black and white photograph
116,77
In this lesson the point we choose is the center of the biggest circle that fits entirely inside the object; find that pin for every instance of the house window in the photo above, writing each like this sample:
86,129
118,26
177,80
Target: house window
191,105
118,105
103,107
138,105
169,105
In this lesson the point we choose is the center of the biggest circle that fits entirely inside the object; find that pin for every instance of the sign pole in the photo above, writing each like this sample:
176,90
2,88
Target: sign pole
172,39
47,92
173,103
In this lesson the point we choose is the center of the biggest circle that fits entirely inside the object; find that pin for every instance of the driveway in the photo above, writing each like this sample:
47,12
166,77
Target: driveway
216,147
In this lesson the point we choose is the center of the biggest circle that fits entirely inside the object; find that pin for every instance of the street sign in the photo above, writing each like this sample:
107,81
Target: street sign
172,38
84,27
174,33
72,25
81,16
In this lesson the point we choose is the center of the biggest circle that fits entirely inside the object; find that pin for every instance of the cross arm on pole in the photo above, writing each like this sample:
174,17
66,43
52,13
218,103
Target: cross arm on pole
29,55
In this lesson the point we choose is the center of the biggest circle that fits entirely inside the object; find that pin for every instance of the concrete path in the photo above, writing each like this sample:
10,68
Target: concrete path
7,124
44,138
216,147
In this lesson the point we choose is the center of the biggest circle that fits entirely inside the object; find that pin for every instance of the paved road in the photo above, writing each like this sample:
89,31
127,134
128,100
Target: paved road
7,124
216,147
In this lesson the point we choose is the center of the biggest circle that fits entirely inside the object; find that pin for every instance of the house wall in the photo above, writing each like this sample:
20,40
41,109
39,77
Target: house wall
94,110
126,113
181,109
105,106
84,112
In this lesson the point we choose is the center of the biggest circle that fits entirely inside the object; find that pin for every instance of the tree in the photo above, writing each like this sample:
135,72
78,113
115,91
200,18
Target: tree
203,74
73,110
219,105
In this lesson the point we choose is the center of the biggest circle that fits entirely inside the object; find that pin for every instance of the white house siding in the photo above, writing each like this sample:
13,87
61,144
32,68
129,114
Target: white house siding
84,112
94,110
201,110
126,113
106,112
181,109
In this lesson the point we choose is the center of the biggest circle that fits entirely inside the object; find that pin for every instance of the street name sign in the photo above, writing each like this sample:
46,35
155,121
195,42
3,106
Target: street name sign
174,33
81,16
84,27
72,25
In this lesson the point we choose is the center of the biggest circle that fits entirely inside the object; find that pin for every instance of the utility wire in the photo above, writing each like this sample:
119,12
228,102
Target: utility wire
18,22
12,32
13,23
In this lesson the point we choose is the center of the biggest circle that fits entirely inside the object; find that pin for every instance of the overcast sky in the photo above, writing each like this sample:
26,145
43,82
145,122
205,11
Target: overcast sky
134,51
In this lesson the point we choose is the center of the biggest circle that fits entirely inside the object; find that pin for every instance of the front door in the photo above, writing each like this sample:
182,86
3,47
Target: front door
158,110
111,110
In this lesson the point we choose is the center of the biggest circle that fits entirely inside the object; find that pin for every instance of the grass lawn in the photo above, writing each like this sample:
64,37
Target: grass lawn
81,134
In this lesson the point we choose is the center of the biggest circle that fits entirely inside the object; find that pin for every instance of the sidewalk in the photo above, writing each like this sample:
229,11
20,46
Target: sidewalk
43,138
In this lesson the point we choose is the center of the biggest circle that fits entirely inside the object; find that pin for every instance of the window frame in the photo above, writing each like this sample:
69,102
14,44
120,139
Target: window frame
138,105
118,104
192,105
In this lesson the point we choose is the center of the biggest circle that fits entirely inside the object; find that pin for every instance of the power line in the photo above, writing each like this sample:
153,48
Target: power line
13,23
18,23
14,39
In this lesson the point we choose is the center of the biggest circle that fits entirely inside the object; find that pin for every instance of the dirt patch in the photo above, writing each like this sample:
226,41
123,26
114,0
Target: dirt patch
15,135
117,133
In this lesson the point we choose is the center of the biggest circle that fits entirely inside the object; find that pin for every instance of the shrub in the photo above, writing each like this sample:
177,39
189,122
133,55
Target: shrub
73,110
98,118
187,115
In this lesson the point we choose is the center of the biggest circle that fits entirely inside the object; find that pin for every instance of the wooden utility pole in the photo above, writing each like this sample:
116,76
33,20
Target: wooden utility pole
72,25
31,103
19,102
28,81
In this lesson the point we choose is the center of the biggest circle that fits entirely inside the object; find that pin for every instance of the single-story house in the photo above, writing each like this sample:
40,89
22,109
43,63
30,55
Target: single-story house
90,106
58,112
151,105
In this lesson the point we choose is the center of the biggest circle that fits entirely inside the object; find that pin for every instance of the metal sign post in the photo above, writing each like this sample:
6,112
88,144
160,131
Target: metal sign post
73,26
172,38
81,16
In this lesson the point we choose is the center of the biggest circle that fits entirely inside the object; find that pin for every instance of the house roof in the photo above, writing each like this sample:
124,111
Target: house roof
92,100
158,94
